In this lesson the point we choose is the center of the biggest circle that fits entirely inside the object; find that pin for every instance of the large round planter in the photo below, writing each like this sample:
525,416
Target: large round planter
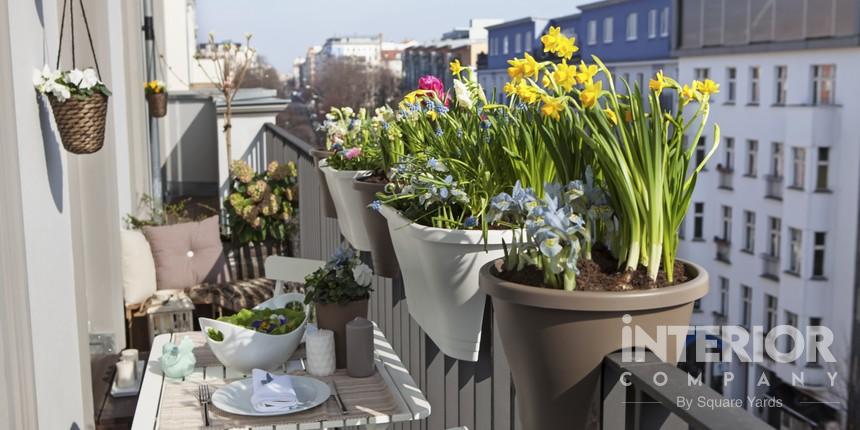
347,201
555,340
328,208
381,249
334,317
440,276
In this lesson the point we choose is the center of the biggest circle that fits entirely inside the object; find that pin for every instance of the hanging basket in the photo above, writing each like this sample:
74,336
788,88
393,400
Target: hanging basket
157,104
81,123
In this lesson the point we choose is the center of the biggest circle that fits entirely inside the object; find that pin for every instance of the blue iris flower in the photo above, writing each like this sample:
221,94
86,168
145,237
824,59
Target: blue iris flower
470,222
375,205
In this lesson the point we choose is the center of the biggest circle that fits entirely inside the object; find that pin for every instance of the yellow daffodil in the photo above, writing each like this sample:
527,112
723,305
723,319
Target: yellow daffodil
689,93
550,40
586,74
432,115
413,97
658,83
610,114
590,94
558,43
552,107
566,47
456,67
522,68
527,93
707,88
565,76
510,88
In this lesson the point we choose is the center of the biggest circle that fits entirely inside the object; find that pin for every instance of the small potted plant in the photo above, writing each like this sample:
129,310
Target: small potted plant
339,291
156,98
595,256
79,102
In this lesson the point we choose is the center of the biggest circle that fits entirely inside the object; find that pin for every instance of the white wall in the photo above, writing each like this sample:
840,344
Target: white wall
189,145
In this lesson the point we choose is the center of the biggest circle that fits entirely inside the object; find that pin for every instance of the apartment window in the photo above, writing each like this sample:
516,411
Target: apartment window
794,250
823,77
814,322
607,29
752,158
776,159
724,296
822,169
790,320
746,306
781,84
494,46
664,22
774,236
700,151
528,41
798,170
698,221
749,231
518,43
702,73
754,85
729,161
820,239
770,313
727,223
592,32
731,84
631,26
652,23
505,43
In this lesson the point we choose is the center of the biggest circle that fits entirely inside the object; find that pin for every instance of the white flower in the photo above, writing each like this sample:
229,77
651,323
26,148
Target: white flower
75,77
83,79
60,91
462,93
362,275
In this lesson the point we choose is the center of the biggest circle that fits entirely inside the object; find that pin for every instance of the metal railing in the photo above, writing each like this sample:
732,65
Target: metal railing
773,187
481,395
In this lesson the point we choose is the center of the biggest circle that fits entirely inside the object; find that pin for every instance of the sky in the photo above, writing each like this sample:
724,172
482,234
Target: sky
284,29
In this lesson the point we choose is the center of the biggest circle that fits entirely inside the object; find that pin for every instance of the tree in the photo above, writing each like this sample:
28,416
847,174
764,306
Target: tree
263,75
349,82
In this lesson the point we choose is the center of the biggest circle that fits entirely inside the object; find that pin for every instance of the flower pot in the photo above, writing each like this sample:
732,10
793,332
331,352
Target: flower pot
81,123
381,249
334,316
440,276
328,208
348,203
555,340
157,104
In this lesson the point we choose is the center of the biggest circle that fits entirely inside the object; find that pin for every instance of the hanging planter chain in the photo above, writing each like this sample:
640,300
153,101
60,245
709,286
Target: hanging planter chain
81,122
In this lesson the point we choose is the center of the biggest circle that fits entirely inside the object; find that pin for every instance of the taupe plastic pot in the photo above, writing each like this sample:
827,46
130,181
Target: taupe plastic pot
334,316
381,249
555,340
327,203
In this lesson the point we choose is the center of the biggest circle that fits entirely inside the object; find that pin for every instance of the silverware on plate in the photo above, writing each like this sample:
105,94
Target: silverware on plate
205,398
337,397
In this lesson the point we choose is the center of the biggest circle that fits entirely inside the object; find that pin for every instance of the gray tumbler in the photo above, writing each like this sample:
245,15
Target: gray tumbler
359,348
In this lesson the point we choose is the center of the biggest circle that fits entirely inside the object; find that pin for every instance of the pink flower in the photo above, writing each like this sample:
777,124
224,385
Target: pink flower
429,82
352,153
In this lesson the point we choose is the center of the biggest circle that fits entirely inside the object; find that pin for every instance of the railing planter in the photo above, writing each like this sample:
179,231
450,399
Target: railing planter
381,250
348,204
327,202
555,340
440,276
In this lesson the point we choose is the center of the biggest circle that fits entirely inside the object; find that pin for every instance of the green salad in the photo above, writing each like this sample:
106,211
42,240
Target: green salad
269,321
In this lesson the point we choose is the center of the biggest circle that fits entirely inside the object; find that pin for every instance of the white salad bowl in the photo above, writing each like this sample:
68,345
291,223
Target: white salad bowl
244,349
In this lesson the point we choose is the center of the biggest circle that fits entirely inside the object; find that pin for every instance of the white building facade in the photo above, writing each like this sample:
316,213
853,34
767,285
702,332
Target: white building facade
774,219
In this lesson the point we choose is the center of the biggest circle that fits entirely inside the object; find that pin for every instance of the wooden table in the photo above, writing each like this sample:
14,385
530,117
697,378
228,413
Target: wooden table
410,401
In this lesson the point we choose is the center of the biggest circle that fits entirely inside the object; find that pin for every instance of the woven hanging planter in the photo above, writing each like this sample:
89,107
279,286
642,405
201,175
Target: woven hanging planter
81,123
157,104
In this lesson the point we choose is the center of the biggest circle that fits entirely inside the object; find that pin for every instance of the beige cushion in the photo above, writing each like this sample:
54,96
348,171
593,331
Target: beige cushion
138,267
187,254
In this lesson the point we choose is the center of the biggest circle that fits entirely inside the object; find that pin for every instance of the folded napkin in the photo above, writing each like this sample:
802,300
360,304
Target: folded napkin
272,393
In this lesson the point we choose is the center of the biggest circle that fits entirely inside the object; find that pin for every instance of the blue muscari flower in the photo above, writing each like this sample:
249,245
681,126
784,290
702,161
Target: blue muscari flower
470,222
336,147
430,105
442,109
375,205
439,131
436,165
522,106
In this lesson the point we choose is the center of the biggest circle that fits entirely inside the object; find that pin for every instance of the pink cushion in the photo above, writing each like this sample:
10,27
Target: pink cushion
187,254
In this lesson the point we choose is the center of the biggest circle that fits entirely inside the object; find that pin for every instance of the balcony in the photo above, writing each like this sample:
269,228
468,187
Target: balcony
643,403
770,267
726,177
724,249
773,187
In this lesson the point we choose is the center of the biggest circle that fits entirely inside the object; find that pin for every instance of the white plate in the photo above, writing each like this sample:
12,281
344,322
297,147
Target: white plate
235,397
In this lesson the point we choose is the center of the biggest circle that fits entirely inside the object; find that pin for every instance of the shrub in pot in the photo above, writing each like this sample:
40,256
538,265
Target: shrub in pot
156,98
261,206
339,291
594,256
79,102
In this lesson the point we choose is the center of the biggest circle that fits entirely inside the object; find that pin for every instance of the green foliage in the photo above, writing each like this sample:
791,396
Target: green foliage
269,321
170,213
343,279
261,206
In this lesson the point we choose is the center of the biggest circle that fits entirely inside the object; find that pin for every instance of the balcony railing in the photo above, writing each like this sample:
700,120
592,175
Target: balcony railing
770,266
727,175
773,187
724,249
481,394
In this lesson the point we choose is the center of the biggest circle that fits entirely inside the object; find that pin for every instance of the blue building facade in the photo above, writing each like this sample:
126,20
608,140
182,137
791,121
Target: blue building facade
505,41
